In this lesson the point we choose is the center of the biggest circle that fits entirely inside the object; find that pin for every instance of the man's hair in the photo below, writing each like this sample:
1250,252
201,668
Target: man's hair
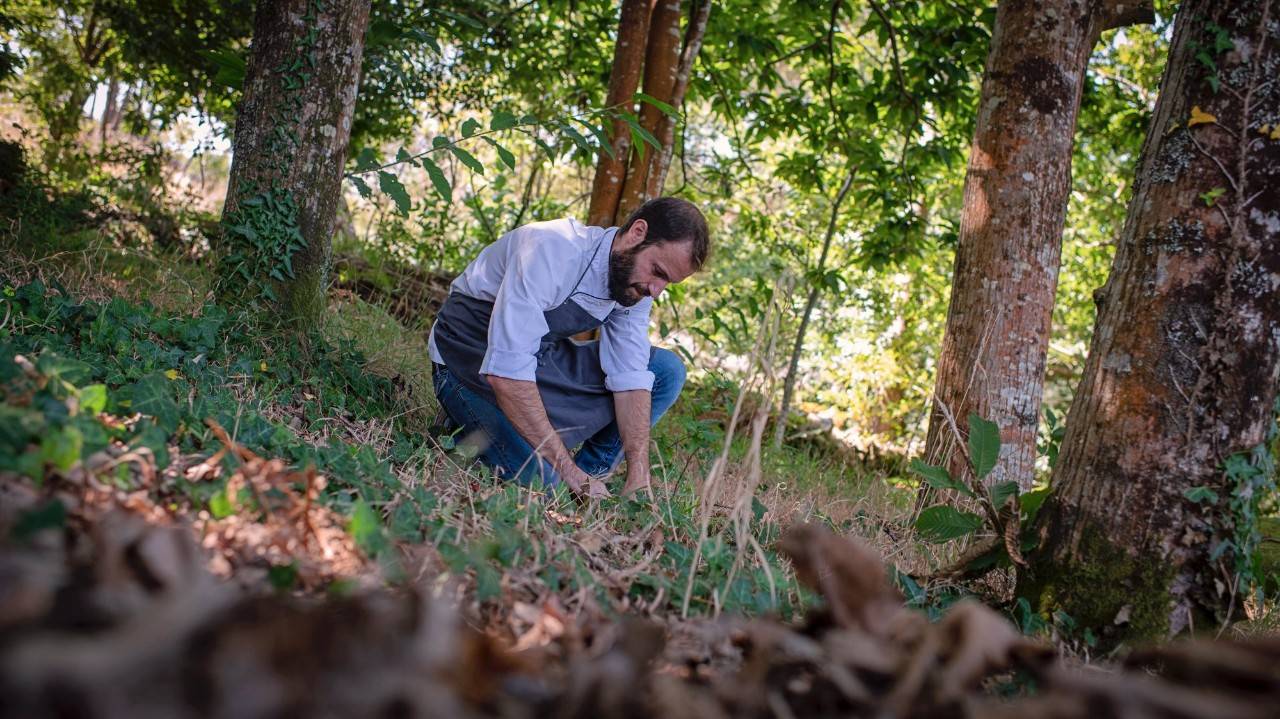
672,219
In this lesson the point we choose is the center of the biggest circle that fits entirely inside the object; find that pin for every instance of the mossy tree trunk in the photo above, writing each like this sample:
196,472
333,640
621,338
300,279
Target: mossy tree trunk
1015,198
1182,371
290,147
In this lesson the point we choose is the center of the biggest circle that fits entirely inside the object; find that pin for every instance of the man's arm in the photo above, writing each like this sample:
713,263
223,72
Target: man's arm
632,408
520,402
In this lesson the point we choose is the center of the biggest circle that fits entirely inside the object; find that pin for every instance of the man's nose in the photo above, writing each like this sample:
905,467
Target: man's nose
656,287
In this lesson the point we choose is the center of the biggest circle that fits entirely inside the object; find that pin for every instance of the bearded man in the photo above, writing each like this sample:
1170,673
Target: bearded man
508,373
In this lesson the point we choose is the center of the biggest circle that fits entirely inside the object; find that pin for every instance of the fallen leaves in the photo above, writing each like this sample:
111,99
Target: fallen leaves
111,616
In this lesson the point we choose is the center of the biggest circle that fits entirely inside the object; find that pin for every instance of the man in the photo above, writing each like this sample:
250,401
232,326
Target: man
524,393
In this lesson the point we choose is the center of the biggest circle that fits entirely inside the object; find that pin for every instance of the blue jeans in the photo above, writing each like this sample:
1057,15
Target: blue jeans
488,432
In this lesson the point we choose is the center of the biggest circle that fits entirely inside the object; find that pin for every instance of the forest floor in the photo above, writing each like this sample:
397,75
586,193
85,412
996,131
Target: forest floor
178,480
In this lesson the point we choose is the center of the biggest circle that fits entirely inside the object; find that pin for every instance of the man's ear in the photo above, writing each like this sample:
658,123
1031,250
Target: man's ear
638,230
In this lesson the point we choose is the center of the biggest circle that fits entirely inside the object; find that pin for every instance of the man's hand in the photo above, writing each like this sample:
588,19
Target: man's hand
583,484
637,481
520,401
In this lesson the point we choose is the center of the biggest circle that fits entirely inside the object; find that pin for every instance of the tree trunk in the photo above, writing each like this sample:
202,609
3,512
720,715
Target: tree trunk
624,78
1183,366
290,146
110,113
660,161
1015,198
788,389
661,63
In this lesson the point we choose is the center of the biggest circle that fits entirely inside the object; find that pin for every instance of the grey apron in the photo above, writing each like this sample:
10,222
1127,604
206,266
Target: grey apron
569,376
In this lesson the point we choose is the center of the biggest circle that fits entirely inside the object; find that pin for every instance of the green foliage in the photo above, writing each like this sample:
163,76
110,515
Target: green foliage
984,445
96,361
939,477
941,523
367,160
261,236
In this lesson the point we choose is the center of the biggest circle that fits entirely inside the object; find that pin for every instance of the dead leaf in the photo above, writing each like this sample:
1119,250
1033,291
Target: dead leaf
1200,117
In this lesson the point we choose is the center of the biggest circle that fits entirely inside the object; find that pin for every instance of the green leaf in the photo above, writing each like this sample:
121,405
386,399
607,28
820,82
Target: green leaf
546,147
984,445
1211,197
153,396
463,19
1001,492
504,154
1201,494
938,477
63,369
61,447
638,129
1030,503
665,107
361,186
469,127
941,523
229,67
503,120
601,137
93,399
220,505
390,184
438,180
637,142
365,528
467,159
577,137
367,160
403,156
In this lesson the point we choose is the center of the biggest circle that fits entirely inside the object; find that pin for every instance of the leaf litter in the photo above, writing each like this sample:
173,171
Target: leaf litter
108,608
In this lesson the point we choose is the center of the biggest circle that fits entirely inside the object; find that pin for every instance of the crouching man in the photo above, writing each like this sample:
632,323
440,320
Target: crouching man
523,392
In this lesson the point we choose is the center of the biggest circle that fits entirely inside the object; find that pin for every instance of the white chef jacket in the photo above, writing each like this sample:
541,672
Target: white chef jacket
532,269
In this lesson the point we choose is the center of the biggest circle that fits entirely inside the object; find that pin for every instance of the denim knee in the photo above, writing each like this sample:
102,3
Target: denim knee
668,376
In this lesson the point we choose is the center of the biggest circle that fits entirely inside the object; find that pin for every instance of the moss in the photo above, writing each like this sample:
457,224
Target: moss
1102,582
1269,554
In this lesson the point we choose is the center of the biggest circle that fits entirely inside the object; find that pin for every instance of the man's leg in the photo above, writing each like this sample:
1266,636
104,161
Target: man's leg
489,432
603,451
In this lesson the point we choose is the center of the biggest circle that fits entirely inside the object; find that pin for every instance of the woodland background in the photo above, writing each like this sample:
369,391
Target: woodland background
994,289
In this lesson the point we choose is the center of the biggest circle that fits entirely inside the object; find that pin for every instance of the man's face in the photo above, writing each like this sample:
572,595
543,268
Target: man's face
646,271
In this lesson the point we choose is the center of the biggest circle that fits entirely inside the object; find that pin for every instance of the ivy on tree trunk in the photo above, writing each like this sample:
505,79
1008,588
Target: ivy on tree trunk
290,146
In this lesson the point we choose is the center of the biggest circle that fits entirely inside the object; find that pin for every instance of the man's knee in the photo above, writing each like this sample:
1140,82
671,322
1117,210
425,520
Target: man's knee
668,372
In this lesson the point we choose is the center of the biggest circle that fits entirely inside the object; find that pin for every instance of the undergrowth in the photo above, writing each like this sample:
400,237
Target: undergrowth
81,376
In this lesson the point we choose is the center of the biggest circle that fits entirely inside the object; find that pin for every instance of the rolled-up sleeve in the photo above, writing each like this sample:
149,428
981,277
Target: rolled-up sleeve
517,325
624,348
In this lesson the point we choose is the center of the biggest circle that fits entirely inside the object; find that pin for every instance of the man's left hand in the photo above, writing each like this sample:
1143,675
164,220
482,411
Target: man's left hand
637,481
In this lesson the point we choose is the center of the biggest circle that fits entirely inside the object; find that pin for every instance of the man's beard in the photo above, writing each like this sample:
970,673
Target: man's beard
622,266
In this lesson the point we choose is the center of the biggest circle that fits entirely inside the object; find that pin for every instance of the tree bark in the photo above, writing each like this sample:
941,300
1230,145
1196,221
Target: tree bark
789,387
660,161
110,113
1015,198
624,78
661,63
1183,367
290,147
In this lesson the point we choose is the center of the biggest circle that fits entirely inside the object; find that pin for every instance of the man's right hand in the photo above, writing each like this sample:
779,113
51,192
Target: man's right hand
583,484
